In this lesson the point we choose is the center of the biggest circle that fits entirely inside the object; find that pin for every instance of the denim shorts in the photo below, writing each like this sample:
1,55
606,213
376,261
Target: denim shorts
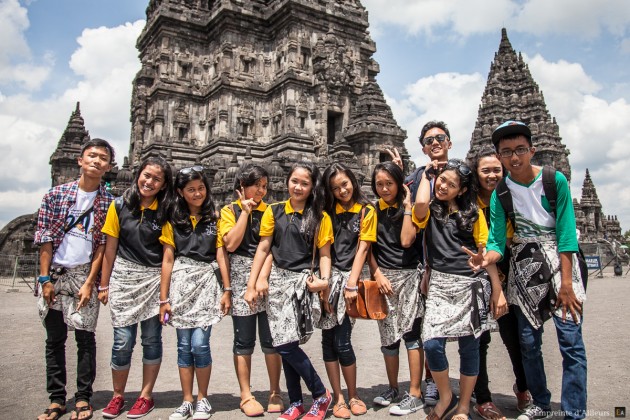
125,341
193,347
434,349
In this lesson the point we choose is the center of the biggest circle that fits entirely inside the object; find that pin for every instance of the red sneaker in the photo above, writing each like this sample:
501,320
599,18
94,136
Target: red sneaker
294,411
319,408
523,399
114,408
141,408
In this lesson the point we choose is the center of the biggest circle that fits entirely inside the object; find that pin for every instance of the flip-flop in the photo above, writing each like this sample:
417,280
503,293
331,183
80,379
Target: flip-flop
58,411
78,410
452,405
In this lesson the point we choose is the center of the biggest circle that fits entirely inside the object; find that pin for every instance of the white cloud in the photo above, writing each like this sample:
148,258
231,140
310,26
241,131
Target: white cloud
582,18
596,131
106,63
444,96
16,64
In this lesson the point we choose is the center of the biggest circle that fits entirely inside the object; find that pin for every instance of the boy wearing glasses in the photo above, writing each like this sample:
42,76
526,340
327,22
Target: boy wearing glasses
71,252
544,281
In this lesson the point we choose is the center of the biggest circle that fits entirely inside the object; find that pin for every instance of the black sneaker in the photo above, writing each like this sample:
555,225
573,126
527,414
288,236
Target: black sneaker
387,397
534,412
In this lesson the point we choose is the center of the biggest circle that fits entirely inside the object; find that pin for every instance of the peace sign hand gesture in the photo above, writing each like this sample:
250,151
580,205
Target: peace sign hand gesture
395,157
246,204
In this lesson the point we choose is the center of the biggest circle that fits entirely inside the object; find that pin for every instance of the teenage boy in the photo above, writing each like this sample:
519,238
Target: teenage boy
71,251
544,281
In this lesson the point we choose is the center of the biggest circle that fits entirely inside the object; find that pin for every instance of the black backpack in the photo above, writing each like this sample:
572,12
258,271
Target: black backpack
549,186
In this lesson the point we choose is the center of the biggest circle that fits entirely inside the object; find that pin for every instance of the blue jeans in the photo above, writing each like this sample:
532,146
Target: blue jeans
434,349
125,340
193,347
296,365
245,334
336,345
573,398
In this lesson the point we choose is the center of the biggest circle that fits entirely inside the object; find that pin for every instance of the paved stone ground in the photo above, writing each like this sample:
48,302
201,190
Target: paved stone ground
22,369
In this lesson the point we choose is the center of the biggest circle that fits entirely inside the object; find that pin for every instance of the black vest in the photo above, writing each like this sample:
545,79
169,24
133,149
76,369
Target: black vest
199,244
289,248
346,228
248,245
388,250
139,238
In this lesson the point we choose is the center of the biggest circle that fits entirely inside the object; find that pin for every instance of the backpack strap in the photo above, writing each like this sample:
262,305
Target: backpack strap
505,198
549,186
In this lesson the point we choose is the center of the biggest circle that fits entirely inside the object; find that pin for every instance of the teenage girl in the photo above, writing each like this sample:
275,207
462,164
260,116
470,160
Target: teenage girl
354,227
290,230
190,292
240,231
130,279
489,171
396,255
457,301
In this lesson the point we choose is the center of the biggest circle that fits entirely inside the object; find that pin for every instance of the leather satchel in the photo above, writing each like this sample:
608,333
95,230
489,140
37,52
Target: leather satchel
370,302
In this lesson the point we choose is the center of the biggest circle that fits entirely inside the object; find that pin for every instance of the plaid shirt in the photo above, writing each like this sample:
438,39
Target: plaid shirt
55,206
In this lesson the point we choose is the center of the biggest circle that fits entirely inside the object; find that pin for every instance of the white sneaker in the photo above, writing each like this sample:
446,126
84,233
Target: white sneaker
183,412
409,404
202,411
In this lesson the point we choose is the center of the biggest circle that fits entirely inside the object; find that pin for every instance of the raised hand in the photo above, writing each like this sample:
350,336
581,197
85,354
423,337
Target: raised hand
395,157
246,204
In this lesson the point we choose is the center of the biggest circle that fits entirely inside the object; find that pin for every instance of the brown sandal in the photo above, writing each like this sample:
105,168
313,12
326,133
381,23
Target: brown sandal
57,411
488,411
252,408
275,405
357,407
78,410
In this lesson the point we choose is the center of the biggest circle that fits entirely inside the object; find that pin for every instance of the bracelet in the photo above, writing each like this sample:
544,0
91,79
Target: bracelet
43,279
164,302
351,289
407,213
227,289
102,289
324,278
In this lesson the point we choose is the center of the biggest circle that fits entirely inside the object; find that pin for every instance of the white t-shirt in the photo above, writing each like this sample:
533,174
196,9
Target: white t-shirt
76,247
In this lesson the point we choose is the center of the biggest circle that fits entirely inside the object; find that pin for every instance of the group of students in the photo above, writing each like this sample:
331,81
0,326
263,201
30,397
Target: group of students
166,254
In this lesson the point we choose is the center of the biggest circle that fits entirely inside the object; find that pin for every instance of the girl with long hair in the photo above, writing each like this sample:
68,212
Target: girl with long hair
394,264
457,301
191,297
293,231
354,228
240,232
130,279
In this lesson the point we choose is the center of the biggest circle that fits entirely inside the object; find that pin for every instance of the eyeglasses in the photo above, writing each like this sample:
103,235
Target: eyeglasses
458,165
196,168
519,151
429,140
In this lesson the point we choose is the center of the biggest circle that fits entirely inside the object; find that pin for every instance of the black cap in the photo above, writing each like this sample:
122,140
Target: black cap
508,128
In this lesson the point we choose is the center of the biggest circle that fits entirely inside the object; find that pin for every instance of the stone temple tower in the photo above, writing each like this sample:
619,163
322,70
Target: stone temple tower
512,94
63,161
265,81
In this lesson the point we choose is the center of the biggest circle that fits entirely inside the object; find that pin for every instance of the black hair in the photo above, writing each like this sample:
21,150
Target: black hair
248,175
164,196
514,137
484,152
434,124
468,212
395,172
314,206
99,143
180,216
335,169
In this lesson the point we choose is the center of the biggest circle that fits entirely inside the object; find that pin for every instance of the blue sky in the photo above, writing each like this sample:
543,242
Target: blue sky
434,58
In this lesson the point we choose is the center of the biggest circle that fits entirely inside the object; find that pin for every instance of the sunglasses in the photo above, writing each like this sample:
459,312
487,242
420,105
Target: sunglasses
196,168
429,140
458,165
520,151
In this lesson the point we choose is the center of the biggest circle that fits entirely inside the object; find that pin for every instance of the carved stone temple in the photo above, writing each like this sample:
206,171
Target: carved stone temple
264,81
512,93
